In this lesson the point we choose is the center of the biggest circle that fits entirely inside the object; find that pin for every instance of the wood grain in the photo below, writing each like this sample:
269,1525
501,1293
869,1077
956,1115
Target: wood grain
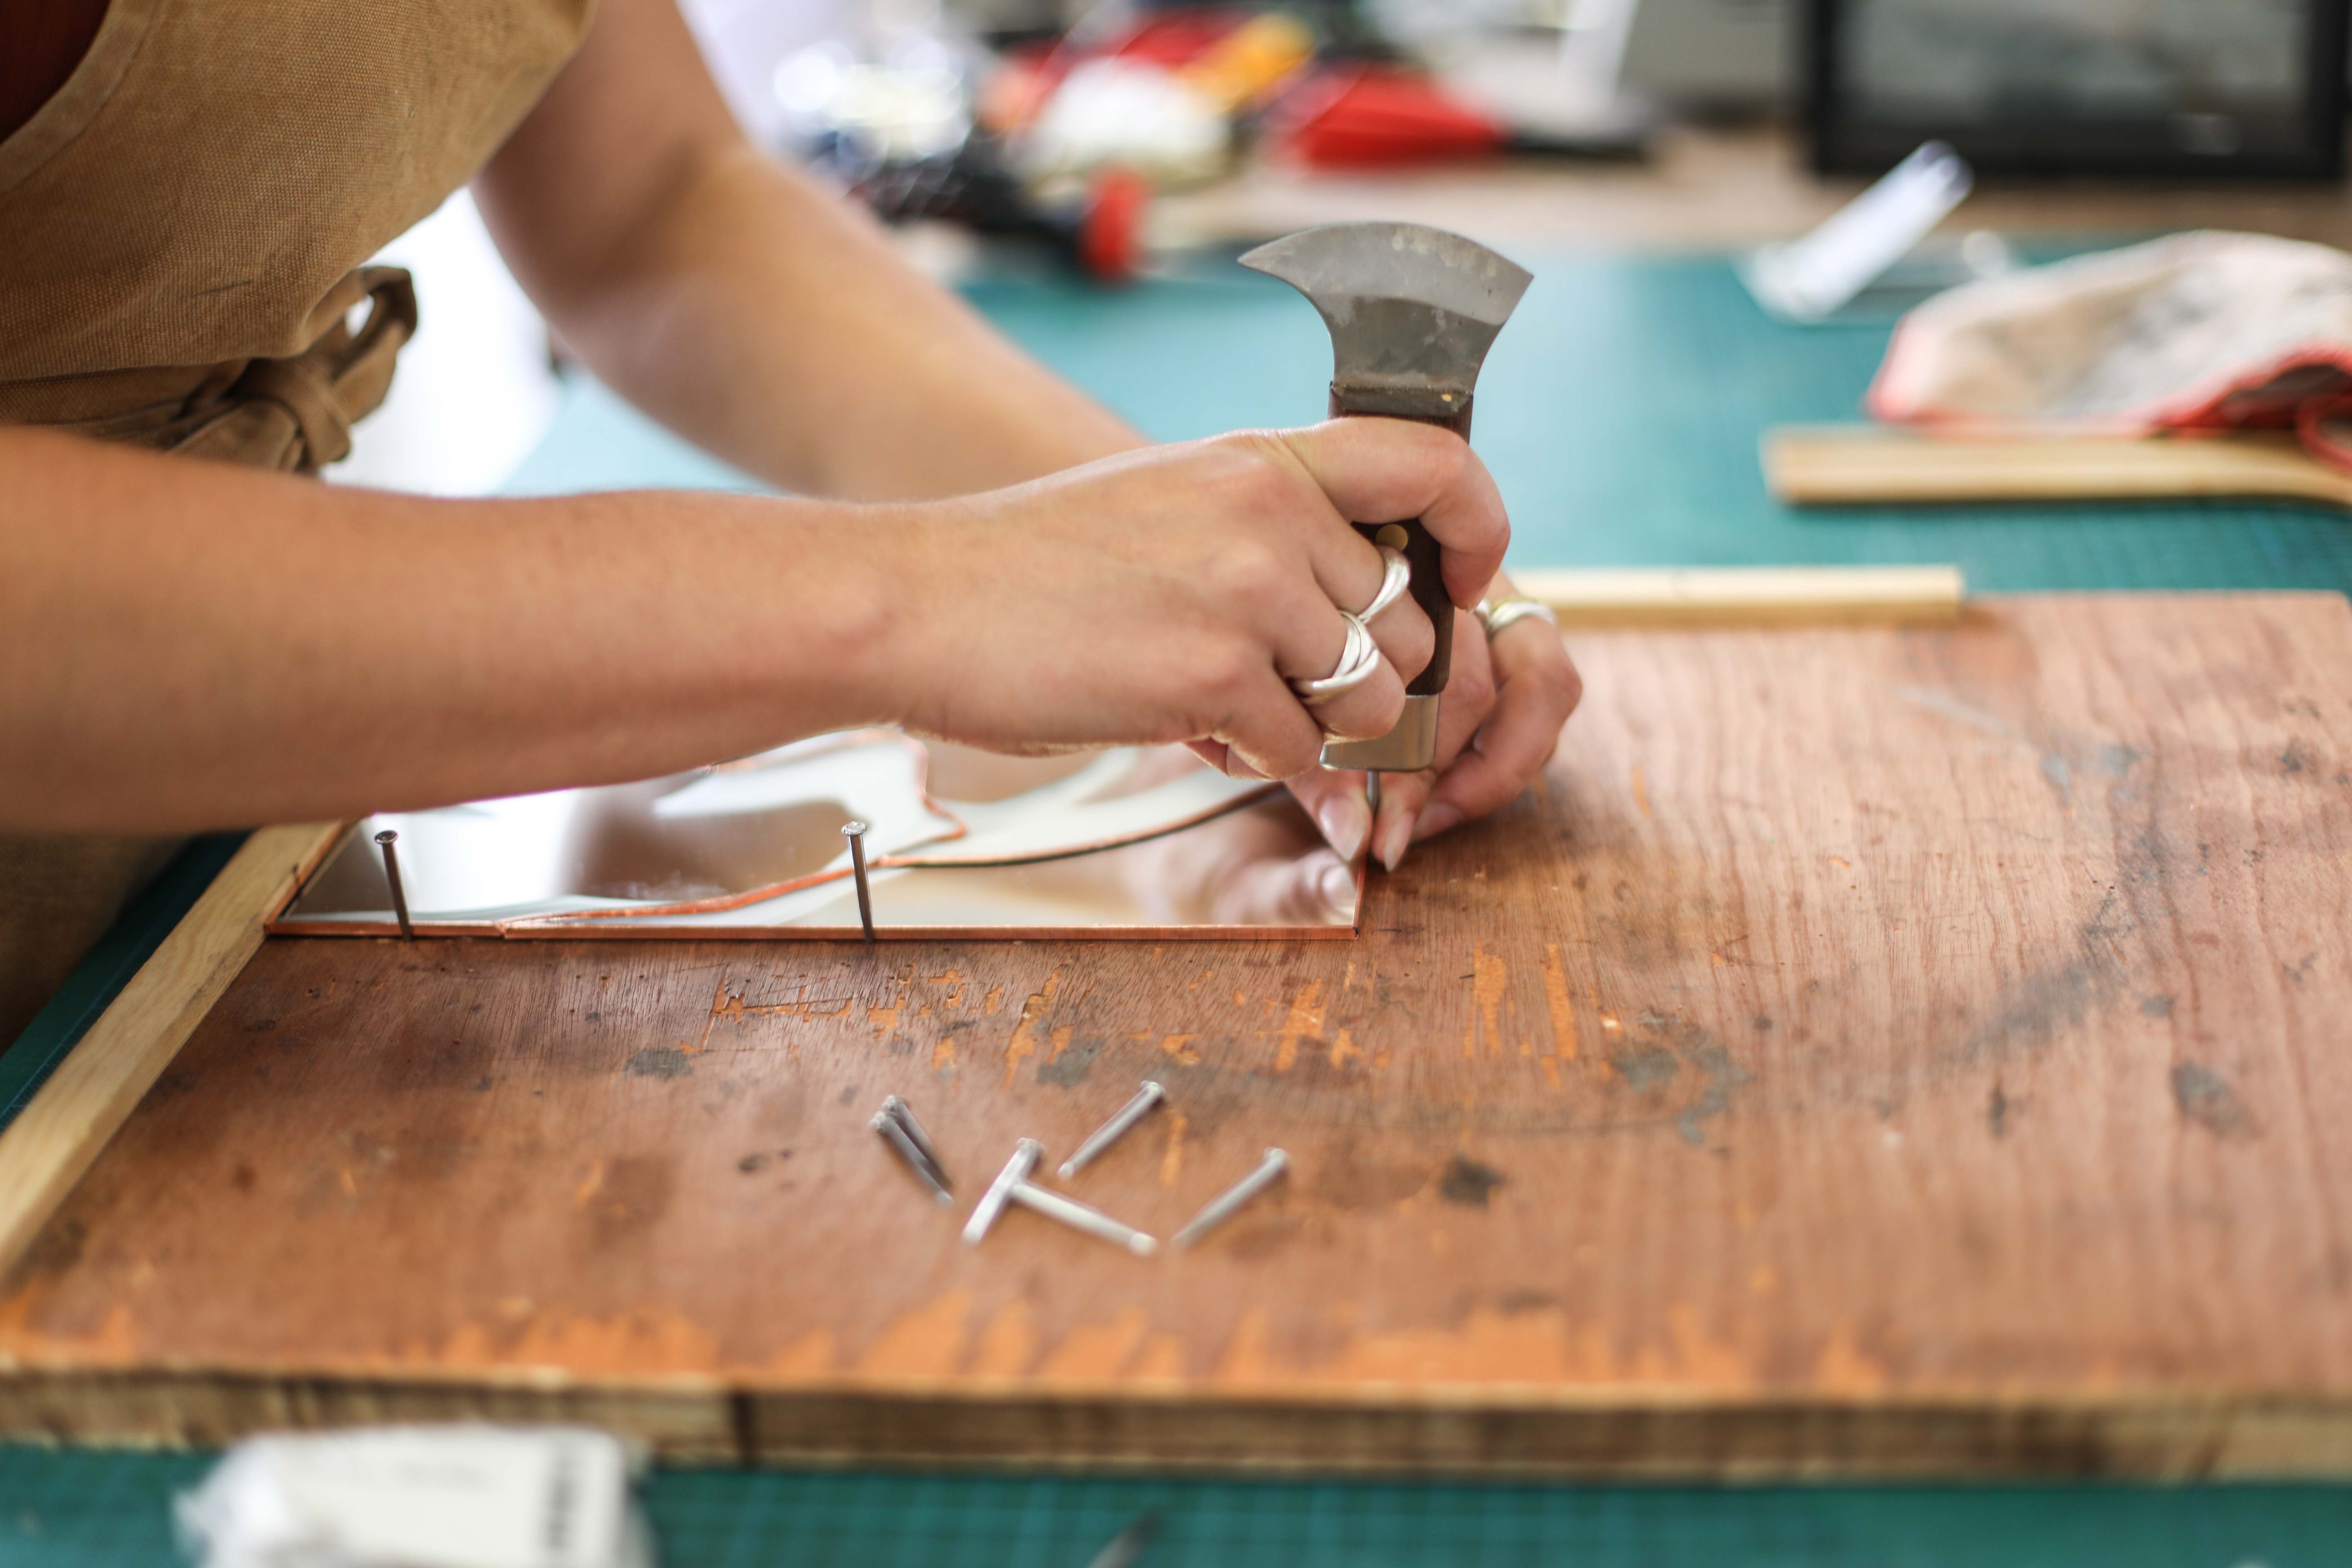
1867,465
48,1146
1872,1050
1747,595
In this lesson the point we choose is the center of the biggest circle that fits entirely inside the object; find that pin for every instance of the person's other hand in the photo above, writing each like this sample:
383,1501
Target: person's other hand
1174,592
1497,727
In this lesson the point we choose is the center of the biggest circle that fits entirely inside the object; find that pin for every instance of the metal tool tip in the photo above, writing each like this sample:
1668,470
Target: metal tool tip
387,836
1069,1169
1142,1246
852,829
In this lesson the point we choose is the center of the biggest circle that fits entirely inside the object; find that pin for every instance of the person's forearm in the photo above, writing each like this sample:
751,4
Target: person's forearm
772,326
748,307
190,646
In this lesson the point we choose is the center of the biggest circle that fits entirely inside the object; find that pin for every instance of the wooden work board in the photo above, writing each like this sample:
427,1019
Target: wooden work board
1869,1050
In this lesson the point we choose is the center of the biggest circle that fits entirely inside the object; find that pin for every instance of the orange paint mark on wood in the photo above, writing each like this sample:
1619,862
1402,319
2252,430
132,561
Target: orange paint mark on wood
1704,1359
1095,1352
585,1193
1489,1347
1061,1042
943,1051
1490,978
1023,1042
1640,793
1551,1066
995,997
1343,1047
1844,1369
1246,1358
1160,1361
811,1356
1008,1344
115,1342
1179,1046
1556,1002
1305,1023
1172,1158
926,1341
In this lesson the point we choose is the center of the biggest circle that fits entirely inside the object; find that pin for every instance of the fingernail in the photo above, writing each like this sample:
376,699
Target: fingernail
1394,837
1436,820
1345,819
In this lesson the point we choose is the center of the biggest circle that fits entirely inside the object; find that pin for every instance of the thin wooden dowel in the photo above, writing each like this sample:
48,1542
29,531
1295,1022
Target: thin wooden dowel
1859,466
1748,596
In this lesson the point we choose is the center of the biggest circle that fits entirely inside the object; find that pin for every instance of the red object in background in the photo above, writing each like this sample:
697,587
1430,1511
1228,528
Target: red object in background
1377,117
1110,230
1025,79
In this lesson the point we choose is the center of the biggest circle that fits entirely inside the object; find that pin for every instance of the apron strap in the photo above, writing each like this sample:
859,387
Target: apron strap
297,413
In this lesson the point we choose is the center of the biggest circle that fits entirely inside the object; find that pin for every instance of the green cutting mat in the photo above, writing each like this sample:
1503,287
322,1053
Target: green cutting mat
79,1509
1620,414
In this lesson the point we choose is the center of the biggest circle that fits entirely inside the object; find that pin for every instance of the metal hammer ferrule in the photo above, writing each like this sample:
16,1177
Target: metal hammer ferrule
1408,748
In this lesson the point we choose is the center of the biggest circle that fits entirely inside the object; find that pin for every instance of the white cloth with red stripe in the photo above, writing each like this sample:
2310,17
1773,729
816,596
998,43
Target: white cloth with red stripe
2197,331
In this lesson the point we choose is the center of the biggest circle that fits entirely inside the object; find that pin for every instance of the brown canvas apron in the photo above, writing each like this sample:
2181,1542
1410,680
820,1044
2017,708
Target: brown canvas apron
182,228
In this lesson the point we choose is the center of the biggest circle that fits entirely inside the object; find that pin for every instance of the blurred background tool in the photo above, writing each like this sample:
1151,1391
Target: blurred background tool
2251,89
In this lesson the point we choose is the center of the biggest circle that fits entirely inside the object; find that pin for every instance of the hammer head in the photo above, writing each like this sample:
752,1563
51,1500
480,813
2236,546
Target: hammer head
1412,309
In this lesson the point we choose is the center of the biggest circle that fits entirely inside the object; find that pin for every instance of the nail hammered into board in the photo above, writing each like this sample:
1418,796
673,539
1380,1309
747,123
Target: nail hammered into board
855,833
1223,1206
1111,1131
385,840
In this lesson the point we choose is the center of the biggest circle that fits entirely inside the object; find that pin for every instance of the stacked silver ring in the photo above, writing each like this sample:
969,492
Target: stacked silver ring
1360,654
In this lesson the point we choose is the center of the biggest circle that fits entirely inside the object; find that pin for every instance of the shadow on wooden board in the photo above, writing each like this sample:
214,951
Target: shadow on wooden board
1869,1051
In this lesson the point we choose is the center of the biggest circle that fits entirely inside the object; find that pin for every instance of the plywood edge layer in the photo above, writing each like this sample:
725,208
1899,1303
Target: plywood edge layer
53,1140
2192,1437
1747,595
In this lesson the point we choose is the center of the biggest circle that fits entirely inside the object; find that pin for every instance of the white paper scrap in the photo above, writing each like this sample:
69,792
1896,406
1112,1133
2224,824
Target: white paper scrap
420,1497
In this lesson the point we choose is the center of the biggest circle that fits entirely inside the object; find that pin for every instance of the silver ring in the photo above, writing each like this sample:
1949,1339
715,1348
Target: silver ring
1393,583
1357,659
1496,613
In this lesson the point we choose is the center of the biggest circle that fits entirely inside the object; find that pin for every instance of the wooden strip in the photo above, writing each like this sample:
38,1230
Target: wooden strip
1852,466
46,1150
1749,595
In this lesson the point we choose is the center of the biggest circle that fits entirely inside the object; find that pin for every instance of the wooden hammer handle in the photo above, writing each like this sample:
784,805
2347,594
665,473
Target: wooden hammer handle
1422,554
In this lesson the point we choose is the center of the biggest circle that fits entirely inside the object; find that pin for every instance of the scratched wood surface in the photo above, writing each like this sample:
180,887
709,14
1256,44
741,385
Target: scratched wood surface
1869,1050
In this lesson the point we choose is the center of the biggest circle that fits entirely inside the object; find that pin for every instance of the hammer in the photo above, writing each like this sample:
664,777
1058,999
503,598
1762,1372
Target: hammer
1412,311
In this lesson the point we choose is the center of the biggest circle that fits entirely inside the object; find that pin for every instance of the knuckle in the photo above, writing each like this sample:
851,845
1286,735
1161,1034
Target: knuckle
1472,686
1251,576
